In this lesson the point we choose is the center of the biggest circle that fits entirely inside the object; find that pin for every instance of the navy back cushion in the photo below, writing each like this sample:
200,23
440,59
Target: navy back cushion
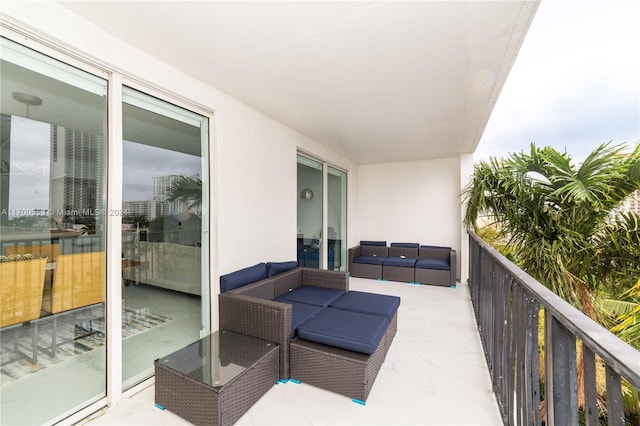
405,245
373,243
275,268
435,247
243,277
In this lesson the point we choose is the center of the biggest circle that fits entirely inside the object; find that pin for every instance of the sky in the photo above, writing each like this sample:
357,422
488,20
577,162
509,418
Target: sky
143,162
575,83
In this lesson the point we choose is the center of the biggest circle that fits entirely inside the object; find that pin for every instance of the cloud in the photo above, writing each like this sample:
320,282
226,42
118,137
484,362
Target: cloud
144,162
575,83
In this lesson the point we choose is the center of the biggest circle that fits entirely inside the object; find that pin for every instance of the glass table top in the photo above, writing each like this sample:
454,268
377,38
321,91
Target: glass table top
218,358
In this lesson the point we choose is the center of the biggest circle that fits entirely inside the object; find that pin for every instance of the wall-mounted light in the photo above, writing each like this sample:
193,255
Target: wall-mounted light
306,194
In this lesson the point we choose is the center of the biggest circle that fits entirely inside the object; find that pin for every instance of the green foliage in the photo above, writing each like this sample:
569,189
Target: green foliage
188,190
628,319
555,217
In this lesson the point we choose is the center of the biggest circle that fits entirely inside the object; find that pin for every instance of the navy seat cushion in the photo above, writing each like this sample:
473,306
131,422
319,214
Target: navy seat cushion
402,262
275,268
243,277
354,331
405,245
369,260
301,313
373,243
311,295
442,265
370,303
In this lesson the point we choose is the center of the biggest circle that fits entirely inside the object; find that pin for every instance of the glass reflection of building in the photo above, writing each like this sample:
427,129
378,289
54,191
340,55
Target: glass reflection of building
76,176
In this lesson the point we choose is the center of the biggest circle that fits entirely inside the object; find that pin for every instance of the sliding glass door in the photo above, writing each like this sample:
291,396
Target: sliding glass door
58,266
309,212
319,215
53,122
165,225
336,219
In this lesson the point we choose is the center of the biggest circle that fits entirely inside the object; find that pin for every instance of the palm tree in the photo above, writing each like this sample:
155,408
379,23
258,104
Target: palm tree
556,221
557,217
188,190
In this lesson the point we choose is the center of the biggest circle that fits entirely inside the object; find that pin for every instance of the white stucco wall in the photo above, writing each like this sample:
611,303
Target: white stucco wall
412,201
252,157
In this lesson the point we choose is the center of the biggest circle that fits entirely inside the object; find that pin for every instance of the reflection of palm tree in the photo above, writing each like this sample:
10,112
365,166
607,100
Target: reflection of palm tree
188,190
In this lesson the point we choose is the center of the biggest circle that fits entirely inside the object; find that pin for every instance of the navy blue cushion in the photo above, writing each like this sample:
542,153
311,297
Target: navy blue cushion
442,265
405,245
435,247
311,295
243,277
402,262
370,260
370,303
354,331
275,268
301,313
373,243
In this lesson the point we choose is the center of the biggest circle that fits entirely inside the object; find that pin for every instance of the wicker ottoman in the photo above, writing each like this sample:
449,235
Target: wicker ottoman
339,370
215,380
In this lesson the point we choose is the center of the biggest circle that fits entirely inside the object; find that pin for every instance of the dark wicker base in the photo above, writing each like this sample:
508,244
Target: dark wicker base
202,405
338,370
396,273
362,270
433,277
391,331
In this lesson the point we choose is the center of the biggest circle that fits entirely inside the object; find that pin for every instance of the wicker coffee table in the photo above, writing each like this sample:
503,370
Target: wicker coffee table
216,379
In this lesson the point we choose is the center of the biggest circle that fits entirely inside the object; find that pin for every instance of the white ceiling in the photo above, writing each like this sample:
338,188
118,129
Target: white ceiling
374,81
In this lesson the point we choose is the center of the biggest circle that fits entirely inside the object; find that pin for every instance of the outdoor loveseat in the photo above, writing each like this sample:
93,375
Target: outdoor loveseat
408,262
329,337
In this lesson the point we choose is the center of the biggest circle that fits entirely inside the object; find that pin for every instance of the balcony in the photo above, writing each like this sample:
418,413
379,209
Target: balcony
437,372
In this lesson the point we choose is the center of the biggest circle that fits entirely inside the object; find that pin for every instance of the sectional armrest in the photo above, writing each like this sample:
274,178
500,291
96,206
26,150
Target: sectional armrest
295,278
264,319
452,264
354,252
327,279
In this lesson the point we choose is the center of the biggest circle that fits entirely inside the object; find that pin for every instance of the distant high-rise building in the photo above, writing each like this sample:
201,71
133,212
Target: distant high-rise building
632,203
77,174
150,209
161,192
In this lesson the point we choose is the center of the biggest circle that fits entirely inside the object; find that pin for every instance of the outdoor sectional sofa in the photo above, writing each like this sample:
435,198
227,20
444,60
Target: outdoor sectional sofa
408,262
329,337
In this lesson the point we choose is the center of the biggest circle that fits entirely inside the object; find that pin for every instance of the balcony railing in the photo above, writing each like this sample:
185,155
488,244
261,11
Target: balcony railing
508,305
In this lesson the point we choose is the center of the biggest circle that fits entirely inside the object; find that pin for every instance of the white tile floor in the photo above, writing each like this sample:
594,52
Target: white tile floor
435,373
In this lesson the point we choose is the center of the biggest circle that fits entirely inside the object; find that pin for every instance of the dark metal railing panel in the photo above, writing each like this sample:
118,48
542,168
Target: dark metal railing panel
591,415
561,373
507,303
532,377
615,412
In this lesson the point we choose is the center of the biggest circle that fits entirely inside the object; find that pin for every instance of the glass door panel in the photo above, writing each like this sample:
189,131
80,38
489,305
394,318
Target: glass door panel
164,265
52,237
336,219
309,197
